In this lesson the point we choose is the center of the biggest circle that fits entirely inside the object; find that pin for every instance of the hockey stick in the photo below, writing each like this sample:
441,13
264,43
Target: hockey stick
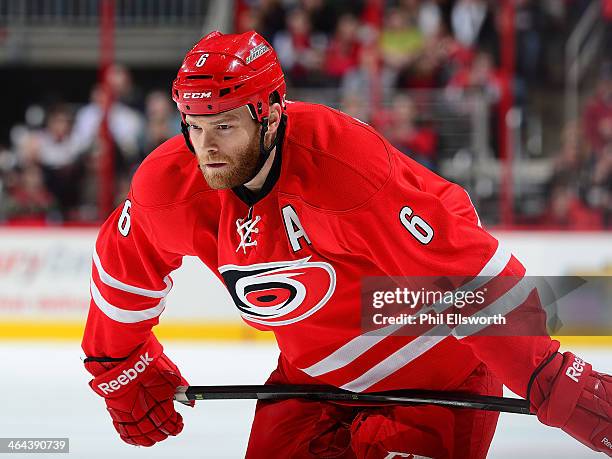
313,392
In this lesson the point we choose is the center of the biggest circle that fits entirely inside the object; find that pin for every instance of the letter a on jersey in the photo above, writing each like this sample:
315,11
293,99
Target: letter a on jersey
294,228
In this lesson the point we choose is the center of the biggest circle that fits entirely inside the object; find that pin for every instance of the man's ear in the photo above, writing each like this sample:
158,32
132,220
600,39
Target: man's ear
274,117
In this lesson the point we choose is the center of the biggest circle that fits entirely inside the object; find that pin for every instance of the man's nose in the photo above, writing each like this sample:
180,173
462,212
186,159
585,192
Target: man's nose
207,145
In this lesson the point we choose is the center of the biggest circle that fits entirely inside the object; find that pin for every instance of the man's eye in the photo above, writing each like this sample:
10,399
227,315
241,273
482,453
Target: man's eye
223,127
193,127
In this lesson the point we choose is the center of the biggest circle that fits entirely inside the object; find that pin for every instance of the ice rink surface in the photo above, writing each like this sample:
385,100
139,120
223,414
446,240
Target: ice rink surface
45,394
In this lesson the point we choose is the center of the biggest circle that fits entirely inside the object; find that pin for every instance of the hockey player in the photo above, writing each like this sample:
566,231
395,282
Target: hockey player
292,205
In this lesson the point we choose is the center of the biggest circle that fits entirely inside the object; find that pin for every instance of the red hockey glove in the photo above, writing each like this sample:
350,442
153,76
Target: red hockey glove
139,393
565,392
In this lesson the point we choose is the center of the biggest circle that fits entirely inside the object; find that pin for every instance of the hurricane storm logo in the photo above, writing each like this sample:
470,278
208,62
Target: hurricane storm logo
282,292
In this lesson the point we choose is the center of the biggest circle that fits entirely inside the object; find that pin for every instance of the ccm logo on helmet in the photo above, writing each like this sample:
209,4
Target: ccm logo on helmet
197,95
575,371
128,375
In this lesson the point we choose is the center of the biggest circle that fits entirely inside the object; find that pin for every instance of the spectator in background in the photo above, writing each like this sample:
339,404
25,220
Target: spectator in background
435,60
163,121
126,127
300,51
271,18
467,19
464,89
58,158
400,40
473,23
480,75
429,18
29,201
343,51
409,135
427,69
456,56
26,198
122,86
568,211
353,104
529,26
571,161
597,118
569,188
248,19
368,77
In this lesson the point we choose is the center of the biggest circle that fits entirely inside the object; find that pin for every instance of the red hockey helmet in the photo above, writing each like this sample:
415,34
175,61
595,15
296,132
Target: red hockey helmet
222,72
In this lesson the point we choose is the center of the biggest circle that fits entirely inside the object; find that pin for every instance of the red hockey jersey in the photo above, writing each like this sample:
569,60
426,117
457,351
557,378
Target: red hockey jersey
339,204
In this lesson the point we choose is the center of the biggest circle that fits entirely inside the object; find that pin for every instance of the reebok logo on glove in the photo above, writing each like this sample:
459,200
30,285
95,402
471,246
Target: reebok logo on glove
128,375
575,370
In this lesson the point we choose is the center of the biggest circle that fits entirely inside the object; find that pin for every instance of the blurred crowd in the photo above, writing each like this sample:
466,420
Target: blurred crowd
581,186
51,172
418,43
410,44
371,52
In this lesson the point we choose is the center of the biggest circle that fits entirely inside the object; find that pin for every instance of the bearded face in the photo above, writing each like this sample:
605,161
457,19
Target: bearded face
226,145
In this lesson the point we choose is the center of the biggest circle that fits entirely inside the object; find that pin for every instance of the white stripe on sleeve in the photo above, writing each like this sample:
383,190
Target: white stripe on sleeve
502,306
115,283
123,315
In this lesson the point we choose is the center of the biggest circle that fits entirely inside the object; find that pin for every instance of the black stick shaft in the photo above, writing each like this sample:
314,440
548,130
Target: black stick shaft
400,397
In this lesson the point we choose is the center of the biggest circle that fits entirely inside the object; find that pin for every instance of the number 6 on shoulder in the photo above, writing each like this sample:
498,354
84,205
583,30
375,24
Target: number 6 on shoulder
418,227
124,219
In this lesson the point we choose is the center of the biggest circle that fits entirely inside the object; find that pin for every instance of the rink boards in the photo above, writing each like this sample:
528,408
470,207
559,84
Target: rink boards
44,283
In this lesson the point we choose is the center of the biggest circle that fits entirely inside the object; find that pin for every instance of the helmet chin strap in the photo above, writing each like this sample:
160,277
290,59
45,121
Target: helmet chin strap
264,153
185,131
